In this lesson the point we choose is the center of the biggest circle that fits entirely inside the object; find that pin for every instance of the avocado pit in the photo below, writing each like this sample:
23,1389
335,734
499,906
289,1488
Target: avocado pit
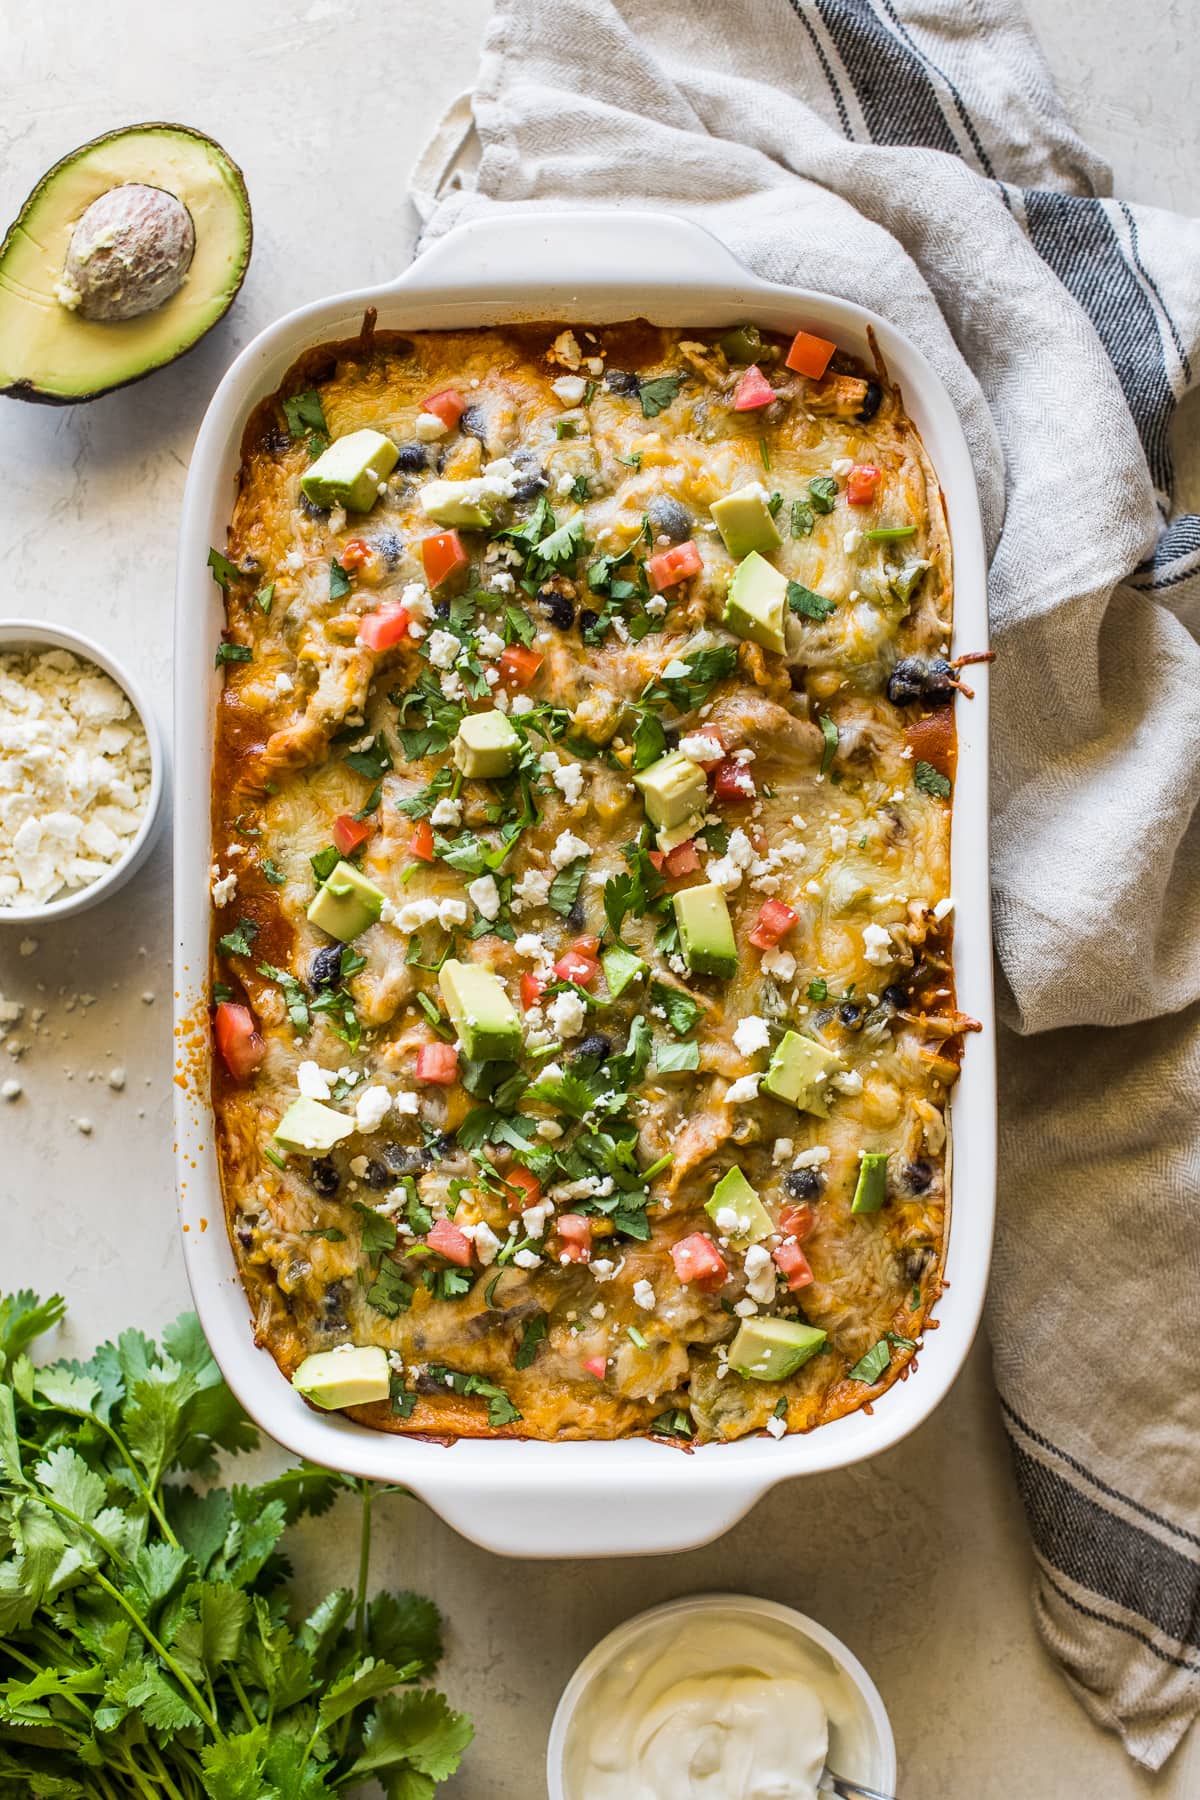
129,252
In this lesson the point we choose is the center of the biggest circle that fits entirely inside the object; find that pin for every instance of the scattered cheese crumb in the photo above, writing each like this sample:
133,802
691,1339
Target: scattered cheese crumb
751,1034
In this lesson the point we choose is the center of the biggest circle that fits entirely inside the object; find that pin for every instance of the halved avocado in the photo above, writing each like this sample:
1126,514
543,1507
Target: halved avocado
49,350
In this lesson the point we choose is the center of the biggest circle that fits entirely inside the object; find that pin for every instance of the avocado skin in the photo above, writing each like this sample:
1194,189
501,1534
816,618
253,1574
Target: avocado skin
27,390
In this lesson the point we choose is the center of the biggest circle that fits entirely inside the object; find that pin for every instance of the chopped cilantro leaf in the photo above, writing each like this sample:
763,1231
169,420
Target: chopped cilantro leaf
339,580
224,573
802,520
373,760
389,1293
273,872
238,941
683,1013
675,1059
657,395
829,732
931,781
818,990
232,653
293,994
533,1334
822,492
564,889
304,412
264,597
325,862
802,600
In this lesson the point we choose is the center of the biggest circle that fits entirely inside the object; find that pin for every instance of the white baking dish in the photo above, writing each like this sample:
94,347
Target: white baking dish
635,1495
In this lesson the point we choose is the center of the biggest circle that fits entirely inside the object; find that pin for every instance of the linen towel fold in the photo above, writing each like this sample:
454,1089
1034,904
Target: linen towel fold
913,156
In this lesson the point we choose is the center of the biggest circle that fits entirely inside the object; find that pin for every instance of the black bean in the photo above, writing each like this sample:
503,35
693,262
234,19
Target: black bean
906,683
917,1261
474,423
557,607
442,609
246,1239
597,1045
939,682
850,1015
529,490
406,1159
622,381
894,996
322,1172
390,546
411,457
377,1174
325,969
802,1184
872,400
588,620
334,1304
918,1175
669,518
277,440
311,510
576,916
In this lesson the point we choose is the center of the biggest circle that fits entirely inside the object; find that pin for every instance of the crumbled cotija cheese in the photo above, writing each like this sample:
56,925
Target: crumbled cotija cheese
74,774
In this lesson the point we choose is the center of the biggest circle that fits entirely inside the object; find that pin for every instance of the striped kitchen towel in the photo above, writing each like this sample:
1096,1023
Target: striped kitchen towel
913,156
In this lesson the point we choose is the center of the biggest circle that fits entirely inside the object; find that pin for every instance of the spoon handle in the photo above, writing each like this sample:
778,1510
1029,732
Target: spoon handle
850,1790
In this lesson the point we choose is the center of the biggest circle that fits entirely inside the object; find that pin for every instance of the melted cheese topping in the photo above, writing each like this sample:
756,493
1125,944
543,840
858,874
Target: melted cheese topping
572,1318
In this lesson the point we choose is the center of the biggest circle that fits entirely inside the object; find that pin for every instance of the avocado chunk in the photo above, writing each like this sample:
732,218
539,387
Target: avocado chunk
351,471
486,746
620,967
757,603
123,256
471,504
769,1349
871,1189
733,1193
352,1375
346,903
480,1011
674,791
705,930
798,1072
744,520
310,1126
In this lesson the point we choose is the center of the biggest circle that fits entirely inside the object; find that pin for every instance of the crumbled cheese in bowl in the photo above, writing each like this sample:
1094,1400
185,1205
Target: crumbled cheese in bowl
75,775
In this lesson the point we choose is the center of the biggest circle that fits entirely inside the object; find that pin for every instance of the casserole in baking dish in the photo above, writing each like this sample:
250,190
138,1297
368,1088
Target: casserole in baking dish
780,1266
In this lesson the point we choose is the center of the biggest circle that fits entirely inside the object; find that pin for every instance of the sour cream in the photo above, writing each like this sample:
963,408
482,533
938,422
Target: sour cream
718,1703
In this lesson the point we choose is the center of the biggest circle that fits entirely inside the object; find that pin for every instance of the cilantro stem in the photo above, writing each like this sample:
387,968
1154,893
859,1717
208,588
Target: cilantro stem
145,1492
164,1777
364,1568
185,1681
251,1717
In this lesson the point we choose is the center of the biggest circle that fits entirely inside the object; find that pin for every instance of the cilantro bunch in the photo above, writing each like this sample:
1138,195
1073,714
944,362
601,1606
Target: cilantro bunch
146,1643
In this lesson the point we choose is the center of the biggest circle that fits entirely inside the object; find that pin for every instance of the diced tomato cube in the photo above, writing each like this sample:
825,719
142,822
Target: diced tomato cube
532,988
575,1230
386,626
675,564
862,483
527,1189
752,390
437,1063
239,1040
931,739
775,920
734,781
518,667
349,833
697,1259
449,1242
597,1366
657,858
420,844
574,965
684,859
791,1261
809,355
355,553
797,1221
447,405
588,945
442,555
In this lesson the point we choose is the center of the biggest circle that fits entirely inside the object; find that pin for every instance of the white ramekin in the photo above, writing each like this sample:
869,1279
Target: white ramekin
32,634
879,1771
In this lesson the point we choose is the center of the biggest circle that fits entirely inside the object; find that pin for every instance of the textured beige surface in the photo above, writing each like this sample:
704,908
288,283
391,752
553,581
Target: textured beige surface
919,1559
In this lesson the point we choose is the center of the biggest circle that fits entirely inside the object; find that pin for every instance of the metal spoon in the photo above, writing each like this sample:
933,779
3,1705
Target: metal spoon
848,1790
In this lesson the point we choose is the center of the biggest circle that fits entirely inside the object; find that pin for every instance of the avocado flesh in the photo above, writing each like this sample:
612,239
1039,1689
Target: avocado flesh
798,1072
312,1128
485,746
353,1376
771,1349
733,1193
705,930
870,1190
480,1011
350,472
757,603
744,521
674,792
346,904
50,354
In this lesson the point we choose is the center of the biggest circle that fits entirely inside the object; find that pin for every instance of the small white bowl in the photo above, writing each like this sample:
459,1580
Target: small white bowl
32,634
877,1760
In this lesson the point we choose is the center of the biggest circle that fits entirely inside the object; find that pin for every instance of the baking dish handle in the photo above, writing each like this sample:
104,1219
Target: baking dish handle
574,252
654,1514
